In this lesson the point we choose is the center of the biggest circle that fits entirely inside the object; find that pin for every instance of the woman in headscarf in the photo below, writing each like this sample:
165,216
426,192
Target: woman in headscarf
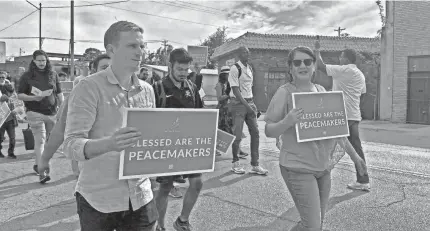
40,90
305,167
225,119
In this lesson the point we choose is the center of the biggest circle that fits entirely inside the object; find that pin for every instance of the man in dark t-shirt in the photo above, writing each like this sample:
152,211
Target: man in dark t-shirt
176,91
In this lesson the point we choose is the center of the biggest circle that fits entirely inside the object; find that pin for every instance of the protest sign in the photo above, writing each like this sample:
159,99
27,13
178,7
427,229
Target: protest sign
4,112
224,141
324,115
199,54
66,86
174,142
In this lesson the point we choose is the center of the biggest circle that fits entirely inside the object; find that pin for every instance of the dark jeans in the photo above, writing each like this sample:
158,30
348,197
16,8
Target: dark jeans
143,219
354,139
241,115
9,127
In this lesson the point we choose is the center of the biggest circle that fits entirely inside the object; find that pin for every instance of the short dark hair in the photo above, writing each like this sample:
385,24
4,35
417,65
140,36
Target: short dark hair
112,34
62,74
180,55
98,58
351,55
3,72
143,69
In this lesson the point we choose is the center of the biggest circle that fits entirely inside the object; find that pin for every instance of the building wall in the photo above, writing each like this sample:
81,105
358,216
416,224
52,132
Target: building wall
411,38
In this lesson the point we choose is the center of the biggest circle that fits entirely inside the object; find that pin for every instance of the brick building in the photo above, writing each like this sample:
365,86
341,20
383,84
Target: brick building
269,59
405,63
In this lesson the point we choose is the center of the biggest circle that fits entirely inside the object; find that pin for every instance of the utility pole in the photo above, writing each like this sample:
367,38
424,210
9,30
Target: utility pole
21,51
40,22
72,41
40,26
165,50
339,30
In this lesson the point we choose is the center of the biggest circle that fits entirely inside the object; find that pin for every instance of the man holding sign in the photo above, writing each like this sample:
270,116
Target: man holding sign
176,91
95,137
351,81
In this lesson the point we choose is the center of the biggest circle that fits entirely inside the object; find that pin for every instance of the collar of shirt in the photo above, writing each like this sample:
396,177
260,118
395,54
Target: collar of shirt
168,83
135,84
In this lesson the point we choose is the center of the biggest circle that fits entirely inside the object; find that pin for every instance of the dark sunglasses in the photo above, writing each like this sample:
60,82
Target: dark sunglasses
298,62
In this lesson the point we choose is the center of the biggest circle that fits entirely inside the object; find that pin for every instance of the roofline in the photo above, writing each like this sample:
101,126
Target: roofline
370,39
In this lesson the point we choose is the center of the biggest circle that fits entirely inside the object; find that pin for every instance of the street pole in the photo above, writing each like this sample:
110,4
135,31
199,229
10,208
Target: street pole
40,26
40,22
339,30
72,43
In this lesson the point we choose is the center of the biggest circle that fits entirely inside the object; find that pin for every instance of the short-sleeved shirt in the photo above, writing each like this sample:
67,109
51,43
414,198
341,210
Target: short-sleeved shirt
43,82
312,155
350,80
244,82
187,96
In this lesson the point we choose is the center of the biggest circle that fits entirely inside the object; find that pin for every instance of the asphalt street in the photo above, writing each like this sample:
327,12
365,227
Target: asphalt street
399,198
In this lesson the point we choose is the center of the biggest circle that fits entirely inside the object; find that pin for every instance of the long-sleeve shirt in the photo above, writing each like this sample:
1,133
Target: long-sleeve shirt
95,110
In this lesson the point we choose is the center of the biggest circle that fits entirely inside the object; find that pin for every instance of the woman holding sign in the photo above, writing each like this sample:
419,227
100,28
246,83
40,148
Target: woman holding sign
305,167
40,90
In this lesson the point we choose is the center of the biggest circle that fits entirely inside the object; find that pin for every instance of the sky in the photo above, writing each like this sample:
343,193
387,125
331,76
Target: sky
181,23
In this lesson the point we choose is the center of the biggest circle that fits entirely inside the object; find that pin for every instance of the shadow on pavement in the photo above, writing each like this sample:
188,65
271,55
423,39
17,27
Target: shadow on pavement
289,218
57,217
16,190
216,182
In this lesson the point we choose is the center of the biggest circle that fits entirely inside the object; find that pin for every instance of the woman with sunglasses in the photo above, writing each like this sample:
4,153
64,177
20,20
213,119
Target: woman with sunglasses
305,167
40,109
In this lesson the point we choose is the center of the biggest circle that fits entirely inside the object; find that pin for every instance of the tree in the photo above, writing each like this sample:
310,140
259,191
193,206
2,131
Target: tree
159,57
91,53
213,41
382,16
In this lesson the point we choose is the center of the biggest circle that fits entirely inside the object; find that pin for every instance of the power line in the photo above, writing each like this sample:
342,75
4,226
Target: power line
82,41
95,4
18,21
189,8
144,13
203,6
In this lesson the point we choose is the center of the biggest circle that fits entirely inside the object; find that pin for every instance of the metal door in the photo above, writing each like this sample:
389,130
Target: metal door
419,90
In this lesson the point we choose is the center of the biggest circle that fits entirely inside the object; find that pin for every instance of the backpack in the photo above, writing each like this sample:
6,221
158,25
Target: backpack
160,94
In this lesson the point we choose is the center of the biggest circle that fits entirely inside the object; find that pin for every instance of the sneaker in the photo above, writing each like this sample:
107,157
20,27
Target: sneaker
243,155
35,169
359,186
258,170
179,179
182,226
160,229
1,155
175,193
237,168
218,153
43,178
11,156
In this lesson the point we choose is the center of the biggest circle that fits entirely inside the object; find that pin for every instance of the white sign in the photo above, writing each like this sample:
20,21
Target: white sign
2,52
38,92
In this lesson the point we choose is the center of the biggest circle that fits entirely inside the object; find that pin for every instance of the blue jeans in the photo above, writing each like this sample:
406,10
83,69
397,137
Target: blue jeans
354,139
241,115
143,219
41,125
310,191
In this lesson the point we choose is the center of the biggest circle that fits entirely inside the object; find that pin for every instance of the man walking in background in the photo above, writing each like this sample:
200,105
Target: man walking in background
351,81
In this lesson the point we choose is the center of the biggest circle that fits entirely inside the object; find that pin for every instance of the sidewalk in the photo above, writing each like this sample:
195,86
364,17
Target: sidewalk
228,202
